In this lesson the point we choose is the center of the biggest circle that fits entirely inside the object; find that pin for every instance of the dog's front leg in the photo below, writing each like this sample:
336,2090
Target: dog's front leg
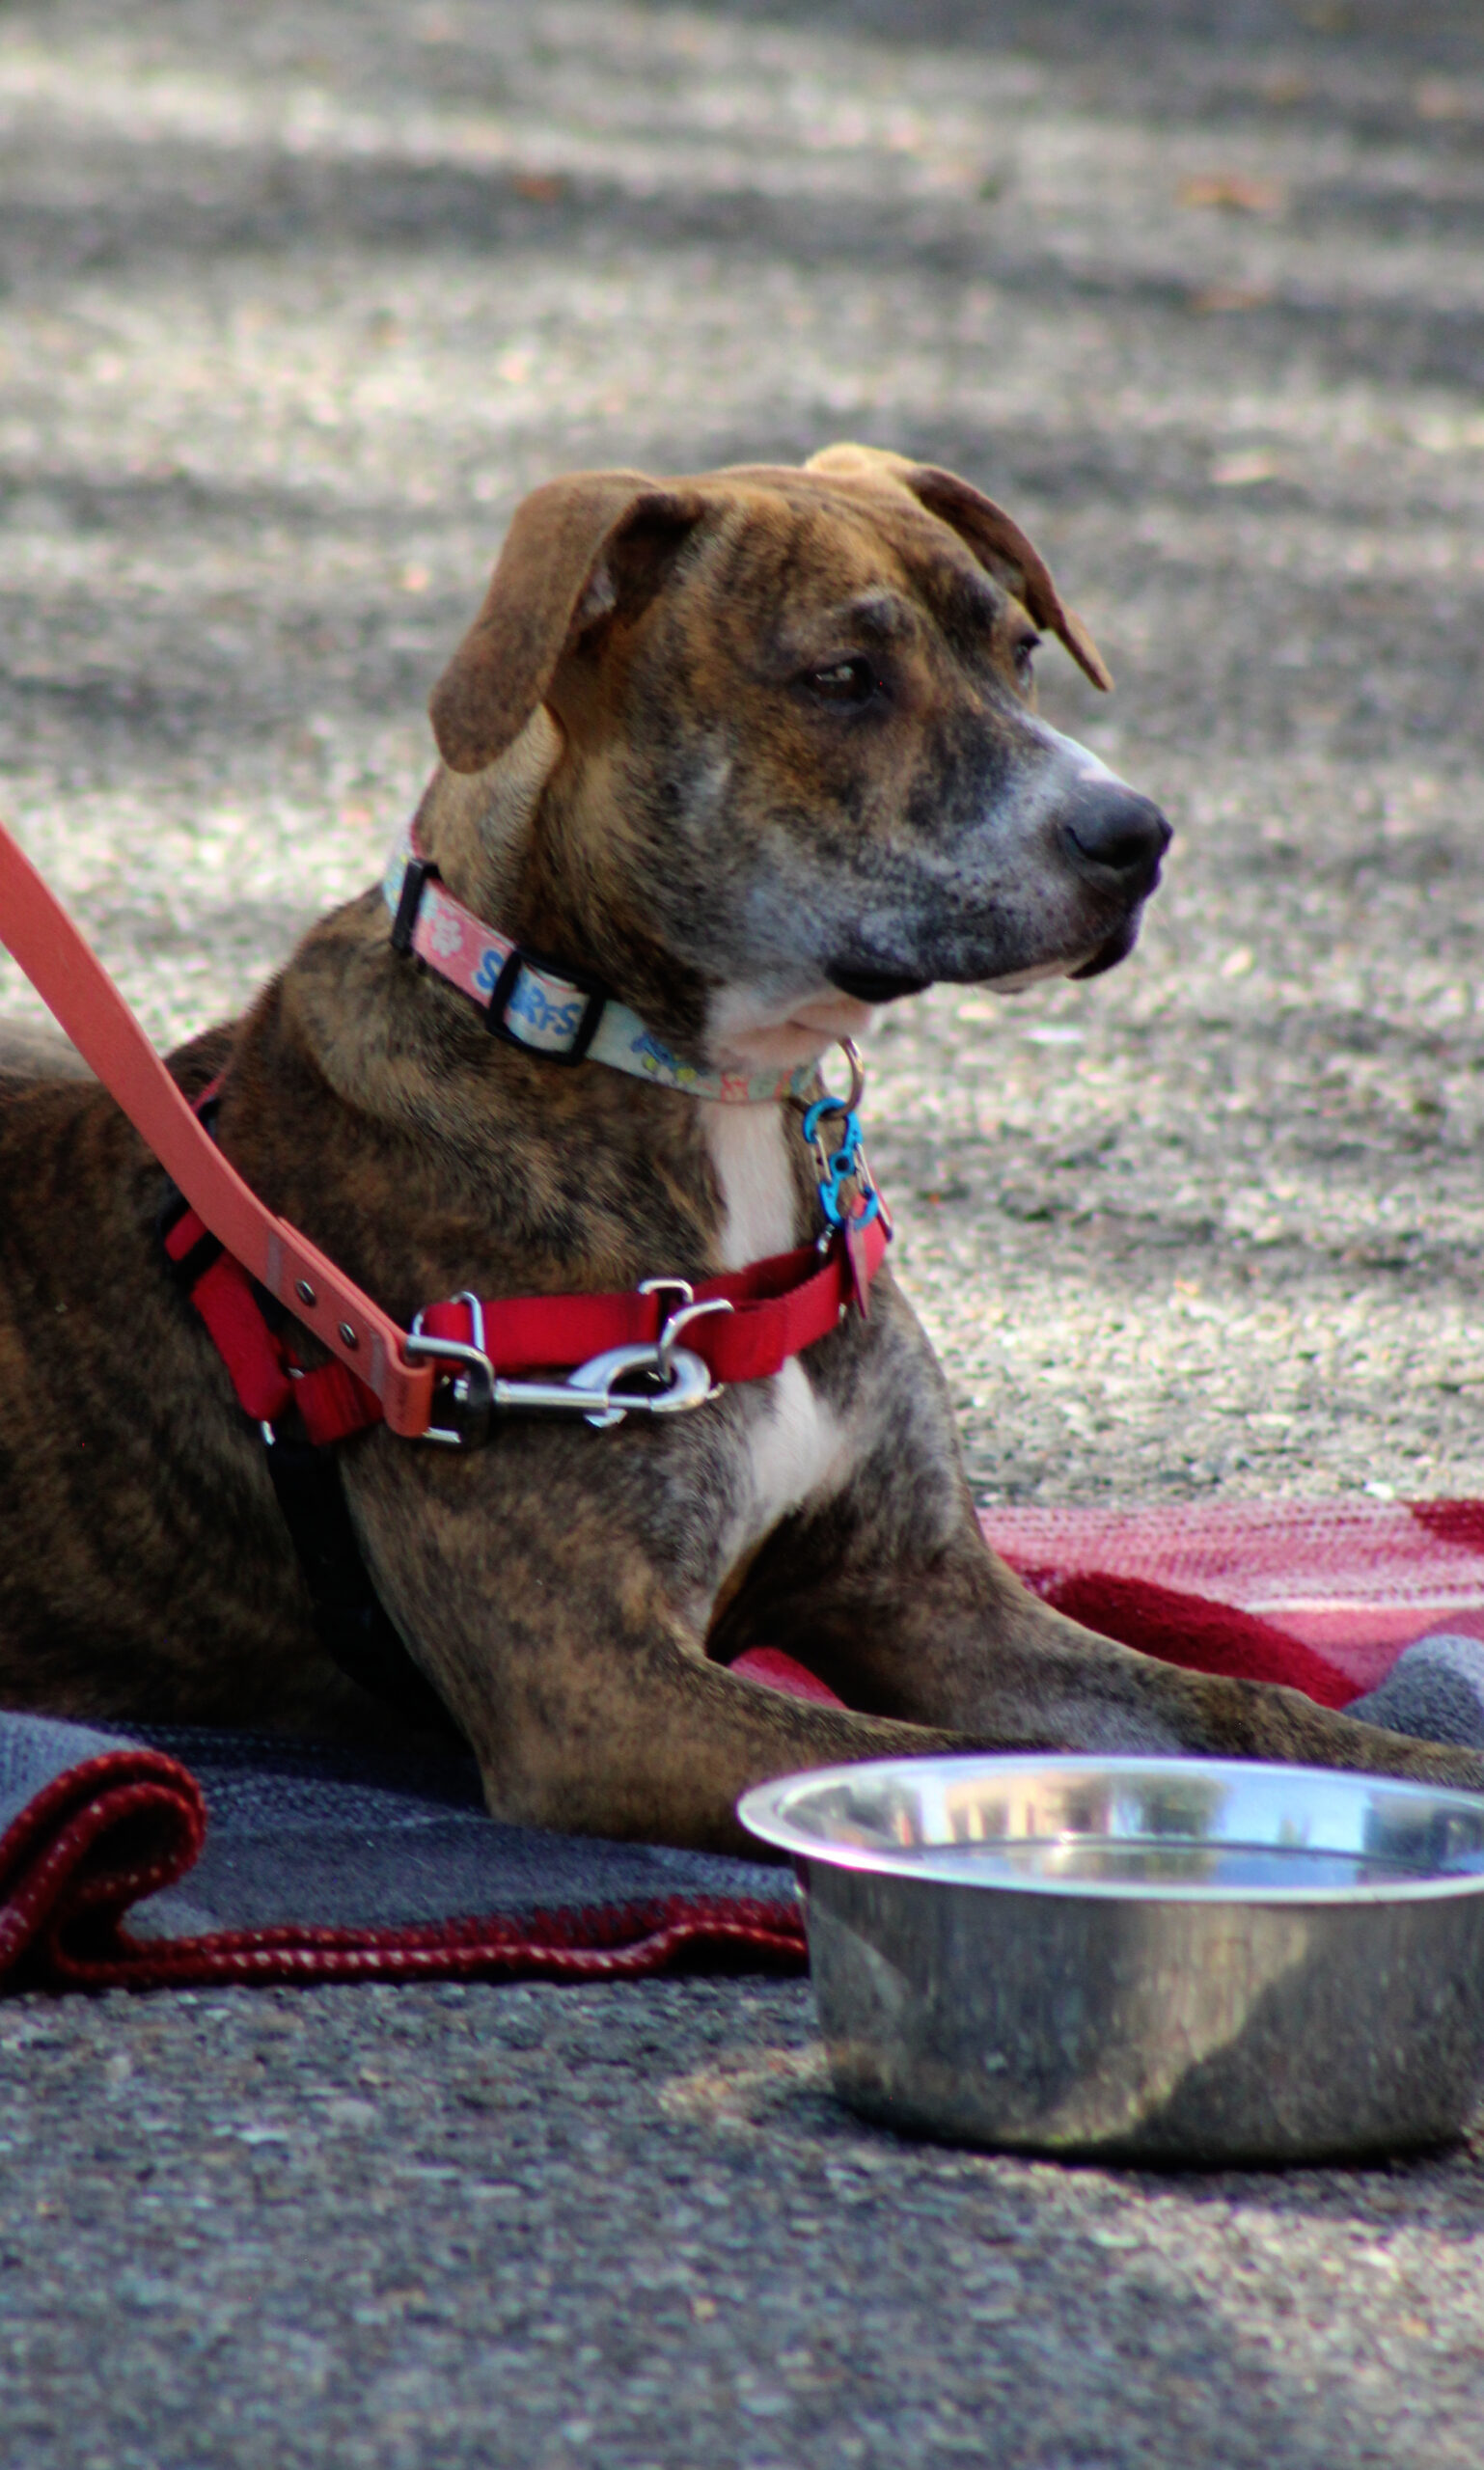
983,1655
562,1649
890,1595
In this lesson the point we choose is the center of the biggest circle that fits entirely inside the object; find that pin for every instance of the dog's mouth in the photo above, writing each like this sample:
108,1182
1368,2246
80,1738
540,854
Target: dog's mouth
885,986
875,985
1120,943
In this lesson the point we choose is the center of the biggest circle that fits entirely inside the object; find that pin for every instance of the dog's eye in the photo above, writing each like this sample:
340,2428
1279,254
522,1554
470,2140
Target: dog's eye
844,681
1025,656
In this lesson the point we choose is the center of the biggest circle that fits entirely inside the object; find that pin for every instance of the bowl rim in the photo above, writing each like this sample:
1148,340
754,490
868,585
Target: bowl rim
763,1812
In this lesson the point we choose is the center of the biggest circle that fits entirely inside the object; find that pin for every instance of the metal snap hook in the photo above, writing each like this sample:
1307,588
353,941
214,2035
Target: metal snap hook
687,1378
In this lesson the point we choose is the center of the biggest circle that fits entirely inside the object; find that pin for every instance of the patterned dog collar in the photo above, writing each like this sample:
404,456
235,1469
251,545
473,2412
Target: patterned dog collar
542,1006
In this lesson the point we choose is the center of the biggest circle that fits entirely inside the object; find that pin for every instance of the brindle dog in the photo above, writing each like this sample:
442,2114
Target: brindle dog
758,752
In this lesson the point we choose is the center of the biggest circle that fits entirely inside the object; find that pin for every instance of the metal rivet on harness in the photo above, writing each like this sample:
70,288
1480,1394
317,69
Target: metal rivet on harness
304,1291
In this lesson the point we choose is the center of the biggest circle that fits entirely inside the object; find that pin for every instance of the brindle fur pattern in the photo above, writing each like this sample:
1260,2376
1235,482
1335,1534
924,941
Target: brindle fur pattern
658,767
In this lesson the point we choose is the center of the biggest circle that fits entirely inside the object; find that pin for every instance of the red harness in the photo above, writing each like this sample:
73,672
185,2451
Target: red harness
779,1306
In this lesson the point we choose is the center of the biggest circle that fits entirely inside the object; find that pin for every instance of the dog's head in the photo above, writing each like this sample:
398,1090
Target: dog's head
797,769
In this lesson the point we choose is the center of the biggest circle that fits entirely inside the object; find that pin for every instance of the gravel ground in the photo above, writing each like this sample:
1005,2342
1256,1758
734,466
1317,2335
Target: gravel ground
294,302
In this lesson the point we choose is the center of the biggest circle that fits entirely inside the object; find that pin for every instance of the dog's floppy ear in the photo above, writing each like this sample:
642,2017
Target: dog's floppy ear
578,551
995,538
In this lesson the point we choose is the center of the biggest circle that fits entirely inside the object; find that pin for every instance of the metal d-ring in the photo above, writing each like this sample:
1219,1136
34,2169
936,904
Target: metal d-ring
680,1287
688,1309
852,1054
467,1380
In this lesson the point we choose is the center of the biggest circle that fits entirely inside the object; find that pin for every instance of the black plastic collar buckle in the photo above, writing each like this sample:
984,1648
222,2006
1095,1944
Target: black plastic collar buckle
404,923
596,999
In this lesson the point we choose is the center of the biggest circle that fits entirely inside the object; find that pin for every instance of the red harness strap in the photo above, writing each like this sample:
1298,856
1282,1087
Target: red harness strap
780,1306
264,1363
774,1309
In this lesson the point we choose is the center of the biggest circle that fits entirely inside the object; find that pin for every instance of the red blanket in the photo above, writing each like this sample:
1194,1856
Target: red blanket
1323,1595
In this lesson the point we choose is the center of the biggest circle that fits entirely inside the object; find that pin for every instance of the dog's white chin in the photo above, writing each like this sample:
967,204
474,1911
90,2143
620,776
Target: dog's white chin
751,1032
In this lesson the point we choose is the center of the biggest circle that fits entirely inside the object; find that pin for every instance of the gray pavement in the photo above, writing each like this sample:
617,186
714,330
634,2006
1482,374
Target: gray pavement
294,301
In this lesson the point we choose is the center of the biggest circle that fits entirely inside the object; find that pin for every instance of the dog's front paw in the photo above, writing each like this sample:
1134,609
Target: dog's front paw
1435,1691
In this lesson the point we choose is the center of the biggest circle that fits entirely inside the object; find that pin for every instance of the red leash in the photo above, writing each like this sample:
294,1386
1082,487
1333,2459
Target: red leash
73,982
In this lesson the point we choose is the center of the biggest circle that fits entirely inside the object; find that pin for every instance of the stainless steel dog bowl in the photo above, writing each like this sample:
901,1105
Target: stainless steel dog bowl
1158,1960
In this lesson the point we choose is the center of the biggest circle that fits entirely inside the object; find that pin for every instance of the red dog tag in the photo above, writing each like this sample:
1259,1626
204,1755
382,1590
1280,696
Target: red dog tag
859,1275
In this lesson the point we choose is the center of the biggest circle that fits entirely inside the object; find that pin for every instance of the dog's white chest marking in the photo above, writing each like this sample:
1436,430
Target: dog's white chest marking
797,1450
795,1444
750,1153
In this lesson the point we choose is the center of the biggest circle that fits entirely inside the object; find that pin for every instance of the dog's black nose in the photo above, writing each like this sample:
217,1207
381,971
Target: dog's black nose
1116,831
